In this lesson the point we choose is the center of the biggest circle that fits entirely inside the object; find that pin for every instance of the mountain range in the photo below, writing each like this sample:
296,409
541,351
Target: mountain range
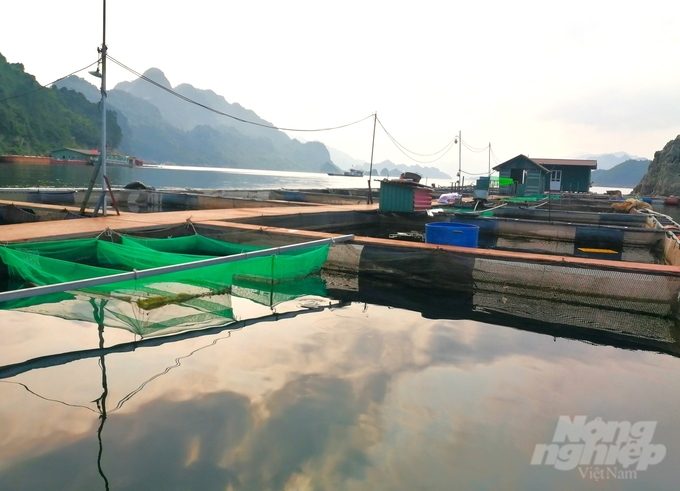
385,168
147,121
609,160
626,174
163,127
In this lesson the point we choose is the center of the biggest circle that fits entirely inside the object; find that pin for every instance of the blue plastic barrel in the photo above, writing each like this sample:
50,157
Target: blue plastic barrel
452,233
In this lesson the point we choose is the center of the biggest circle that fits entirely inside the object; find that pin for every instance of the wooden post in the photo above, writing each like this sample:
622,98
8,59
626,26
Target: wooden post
113,198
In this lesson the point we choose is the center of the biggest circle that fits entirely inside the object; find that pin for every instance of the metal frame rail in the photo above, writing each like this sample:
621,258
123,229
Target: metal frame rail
145,273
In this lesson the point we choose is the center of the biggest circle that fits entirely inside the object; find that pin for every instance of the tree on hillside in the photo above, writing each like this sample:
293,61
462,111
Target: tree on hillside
37,120
88,121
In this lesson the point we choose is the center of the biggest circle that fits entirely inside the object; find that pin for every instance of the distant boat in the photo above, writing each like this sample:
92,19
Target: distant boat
24,159
349,173
122,160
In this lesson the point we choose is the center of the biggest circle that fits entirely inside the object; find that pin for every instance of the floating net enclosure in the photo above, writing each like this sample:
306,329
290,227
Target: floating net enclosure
168,302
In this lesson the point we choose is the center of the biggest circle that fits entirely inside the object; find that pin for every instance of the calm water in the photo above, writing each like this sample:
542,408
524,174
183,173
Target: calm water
23,175
354,396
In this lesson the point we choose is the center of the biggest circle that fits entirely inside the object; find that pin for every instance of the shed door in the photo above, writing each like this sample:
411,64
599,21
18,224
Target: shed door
533,182
556,180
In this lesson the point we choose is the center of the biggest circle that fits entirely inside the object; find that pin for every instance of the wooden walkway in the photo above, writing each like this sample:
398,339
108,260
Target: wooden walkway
64,229
61,229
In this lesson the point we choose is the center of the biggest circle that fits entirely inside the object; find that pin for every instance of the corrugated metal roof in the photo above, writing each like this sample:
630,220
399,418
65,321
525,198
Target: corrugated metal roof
78,150
543,162
523,159
573,162
405,182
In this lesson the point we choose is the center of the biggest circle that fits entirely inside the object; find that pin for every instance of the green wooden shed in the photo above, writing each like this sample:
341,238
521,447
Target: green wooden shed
75,154
538,175
571,175
404,196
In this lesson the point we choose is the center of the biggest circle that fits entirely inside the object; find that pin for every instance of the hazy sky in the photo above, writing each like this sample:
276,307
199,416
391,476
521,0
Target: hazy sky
542,78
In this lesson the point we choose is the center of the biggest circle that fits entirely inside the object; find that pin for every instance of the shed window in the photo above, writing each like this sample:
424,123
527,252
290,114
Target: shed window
556,175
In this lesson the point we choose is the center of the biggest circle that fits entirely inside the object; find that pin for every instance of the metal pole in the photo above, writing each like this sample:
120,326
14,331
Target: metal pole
489,162
103,89
460,147
145,273
369,198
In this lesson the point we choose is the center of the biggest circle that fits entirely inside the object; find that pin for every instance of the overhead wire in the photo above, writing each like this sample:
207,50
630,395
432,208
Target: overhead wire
496,159
479,150
475,149
191,101
404,150
448,145
47,86
473,174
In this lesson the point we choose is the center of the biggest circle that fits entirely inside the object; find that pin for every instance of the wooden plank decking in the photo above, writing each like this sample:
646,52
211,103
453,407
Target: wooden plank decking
130,221
224,218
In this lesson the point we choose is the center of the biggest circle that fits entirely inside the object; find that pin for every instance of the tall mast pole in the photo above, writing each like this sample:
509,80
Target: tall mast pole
489,159
102,152
460,146
369,197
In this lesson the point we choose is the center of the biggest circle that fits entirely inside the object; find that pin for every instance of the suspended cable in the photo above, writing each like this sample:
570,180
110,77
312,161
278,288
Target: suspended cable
399,147
475,149
473,174
191,101
446,147
47,86
493,154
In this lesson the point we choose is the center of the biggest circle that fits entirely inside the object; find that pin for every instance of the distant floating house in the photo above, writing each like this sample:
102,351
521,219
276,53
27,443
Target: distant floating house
74,155
78,155
537,176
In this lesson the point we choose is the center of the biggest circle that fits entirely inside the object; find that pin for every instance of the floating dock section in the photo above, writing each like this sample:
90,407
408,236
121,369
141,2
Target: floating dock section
640,299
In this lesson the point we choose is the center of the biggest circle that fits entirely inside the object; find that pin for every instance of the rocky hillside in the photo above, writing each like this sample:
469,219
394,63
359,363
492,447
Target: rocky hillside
663,175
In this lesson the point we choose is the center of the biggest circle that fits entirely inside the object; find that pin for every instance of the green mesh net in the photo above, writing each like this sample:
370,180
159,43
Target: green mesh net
169,302
197,244
502,181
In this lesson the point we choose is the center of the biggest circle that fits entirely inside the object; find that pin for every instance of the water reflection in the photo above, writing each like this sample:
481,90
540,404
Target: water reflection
352,396
101,400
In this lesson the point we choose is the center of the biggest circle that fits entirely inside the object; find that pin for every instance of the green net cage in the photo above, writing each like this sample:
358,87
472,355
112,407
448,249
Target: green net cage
168,302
